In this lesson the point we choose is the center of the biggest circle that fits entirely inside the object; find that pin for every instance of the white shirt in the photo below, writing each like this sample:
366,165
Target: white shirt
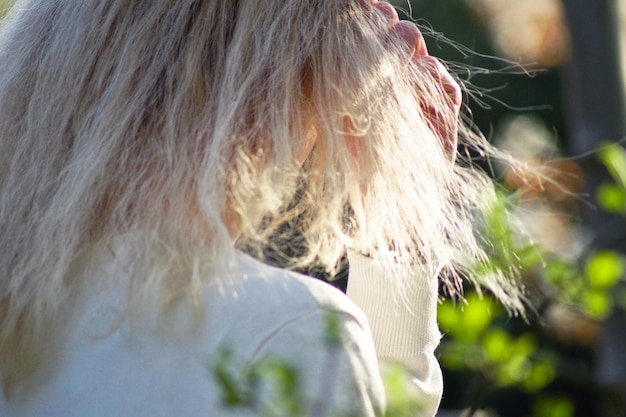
165,367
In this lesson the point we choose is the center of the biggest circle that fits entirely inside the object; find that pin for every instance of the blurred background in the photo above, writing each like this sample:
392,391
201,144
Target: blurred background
544,80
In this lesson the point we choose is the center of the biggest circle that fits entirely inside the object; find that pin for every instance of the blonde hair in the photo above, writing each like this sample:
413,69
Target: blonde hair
156,119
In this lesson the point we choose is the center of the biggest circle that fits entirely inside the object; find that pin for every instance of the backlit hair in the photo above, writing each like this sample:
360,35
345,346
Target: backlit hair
158,119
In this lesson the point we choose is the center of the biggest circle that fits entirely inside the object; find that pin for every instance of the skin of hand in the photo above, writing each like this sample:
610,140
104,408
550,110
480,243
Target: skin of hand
449,89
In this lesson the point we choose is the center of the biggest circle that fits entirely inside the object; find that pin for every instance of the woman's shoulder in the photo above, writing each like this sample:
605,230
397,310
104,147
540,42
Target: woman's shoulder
260,304
308,328
265,287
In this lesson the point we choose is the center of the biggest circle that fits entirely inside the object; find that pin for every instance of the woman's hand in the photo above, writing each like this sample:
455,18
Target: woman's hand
449,90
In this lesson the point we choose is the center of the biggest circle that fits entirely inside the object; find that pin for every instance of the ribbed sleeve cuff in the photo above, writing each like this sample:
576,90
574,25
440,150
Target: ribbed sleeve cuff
401,309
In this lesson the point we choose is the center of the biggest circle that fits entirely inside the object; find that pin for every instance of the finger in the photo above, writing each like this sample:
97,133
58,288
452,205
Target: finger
444,79
442,117
388,11
412,37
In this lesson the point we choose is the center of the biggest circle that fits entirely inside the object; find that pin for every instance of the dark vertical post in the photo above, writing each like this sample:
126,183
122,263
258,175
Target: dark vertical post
596,111
595,87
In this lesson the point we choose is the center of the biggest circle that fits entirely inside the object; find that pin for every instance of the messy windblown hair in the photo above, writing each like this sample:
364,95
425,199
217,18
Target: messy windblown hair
159,119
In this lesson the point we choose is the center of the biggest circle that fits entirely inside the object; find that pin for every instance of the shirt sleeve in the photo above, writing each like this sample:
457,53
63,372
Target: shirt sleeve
403,321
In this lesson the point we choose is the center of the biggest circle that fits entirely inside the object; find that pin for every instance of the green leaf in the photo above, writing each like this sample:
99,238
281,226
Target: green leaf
604,269
448,317
513,371
399,389
234,393
525,345
476,317
598,304
548,406
611,198
283,380
496,344
614,158
541,374
332,329
559,272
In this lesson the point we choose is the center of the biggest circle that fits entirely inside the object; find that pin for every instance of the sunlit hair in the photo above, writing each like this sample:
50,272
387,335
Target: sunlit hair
156,120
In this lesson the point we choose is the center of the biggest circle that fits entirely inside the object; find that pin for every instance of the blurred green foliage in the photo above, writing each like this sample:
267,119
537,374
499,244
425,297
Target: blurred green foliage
4,6
550,406
271,387
612,196
477,341
242,387
483,343
398,388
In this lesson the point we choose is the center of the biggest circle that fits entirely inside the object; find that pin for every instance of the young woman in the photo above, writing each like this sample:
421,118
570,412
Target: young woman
144,141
